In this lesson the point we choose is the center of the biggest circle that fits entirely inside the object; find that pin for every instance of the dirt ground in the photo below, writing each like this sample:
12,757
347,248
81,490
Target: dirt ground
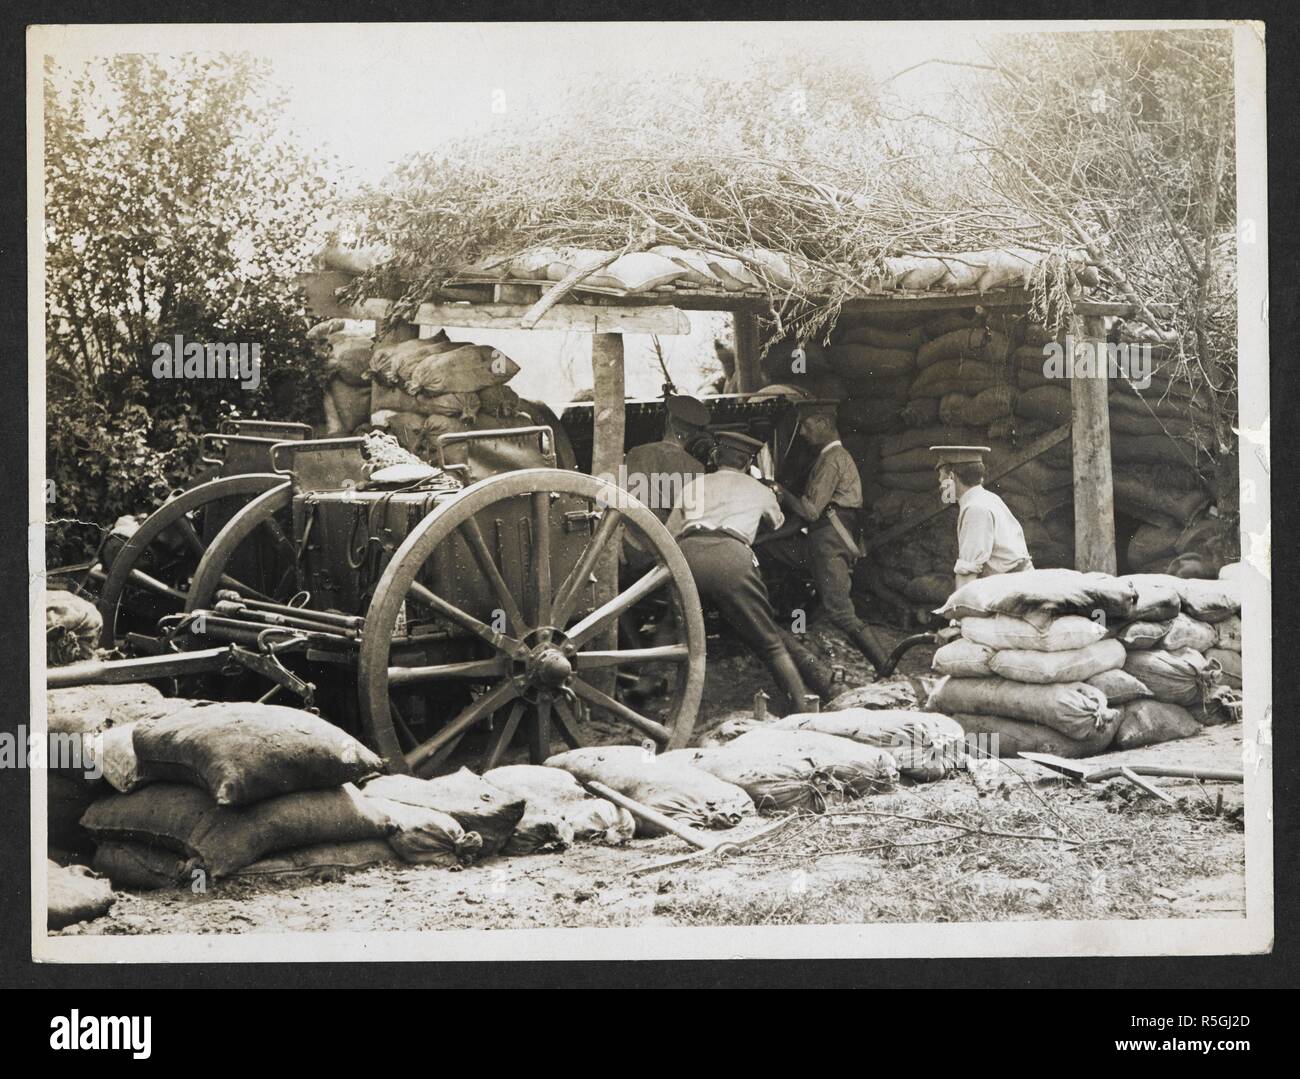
1009,841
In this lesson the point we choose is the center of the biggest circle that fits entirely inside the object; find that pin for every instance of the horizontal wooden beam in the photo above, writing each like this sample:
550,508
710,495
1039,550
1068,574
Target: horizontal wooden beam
581,318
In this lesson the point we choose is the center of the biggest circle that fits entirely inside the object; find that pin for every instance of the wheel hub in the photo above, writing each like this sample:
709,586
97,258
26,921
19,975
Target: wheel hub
551,667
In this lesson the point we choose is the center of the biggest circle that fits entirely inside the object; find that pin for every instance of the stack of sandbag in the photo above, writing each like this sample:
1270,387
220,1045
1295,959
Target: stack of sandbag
669,784
1035,668
346,355
1173,647
925,746
259,790
85,725
783,768
434,386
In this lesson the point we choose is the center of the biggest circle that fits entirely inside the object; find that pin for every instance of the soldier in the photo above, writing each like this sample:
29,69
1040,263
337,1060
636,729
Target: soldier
714,524
989,538
656,473
830,544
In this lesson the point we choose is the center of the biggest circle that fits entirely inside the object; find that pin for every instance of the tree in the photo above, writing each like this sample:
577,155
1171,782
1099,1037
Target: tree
171,207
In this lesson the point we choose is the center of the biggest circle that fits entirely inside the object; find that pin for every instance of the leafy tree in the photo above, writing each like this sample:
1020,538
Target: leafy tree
171,208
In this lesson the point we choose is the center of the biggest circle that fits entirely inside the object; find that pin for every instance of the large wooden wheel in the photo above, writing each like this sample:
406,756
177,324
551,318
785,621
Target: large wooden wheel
152,574
262,523
539,654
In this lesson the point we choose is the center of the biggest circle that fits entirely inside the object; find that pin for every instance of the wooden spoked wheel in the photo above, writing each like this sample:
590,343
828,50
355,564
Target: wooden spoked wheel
152,574
539,634
261,529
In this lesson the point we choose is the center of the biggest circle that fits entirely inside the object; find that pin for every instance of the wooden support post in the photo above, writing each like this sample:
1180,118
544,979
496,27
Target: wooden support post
1094,490
608,417
748,376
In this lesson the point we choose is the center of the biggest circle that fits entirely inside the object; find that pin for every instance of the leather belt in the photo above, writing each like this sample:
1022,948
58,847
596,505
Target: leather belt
711,530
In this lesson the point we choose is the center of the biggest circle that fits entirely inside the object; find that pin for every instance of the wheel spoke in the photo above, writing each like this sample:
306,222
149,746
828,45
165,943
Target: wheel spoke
452,613
485,705
664,653
502,736
644,724
600,618
542,557
568,724
539,732
473,536
152,584
279,538
185,527
475,668
568,592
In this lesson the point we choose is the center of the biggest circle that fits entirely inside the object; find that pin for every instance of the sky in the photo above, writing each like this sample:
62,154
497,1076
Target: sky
373,93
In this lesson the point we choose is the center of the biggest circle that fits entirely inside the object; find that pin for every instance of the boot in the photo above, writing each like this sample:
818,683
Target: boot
786,675
809,668
871,646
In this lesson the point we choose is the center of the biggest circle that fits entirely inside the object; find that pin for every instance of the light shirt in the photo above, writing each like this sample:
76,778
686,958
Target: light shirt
989,538
728,500
834,479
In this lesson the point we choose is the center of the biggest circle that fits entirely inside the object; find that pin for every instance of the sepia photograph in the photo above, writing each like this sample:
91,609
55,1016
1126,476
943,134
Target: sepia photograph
648,490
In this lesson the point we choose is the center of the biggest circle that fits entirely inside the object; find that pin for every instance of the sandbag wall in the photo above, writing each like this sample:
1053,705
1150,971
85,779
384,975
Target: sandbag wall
417,390
1073,664
906,382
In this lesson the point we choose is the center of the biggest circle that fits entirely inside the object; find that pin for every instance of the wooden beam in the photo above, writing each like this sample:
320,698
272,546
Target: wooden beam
1094,490
748,375
608,419
580,318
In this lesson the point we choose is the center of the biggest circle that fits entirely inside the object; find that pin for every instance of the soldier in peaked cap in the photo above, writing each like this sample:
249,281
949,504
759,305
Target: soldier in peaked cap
989,538
830,544
714,524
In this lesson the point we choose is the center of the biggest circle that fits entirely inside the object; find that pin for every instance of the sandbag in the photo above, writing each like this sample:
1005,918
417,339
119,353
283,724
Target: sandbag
590,819
424,835
1141,636
1144,723
796,769
974,341
1040,594
1227,634
243,752
142,868
955,376
984,408
896,694
1229,665
1173,677
963,658
1210,601
1071,665
394,365
346,408
1003,737
1187,632
1075,709
326,861
114,752
637,271
672,787
224,839
1155,602
74,894
465,369
1065,634
347,356
920,412
476,805
1050,404
924,745
1151,544
86,709
863,362
1119,686
322,330
694,266
72,628
877,337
